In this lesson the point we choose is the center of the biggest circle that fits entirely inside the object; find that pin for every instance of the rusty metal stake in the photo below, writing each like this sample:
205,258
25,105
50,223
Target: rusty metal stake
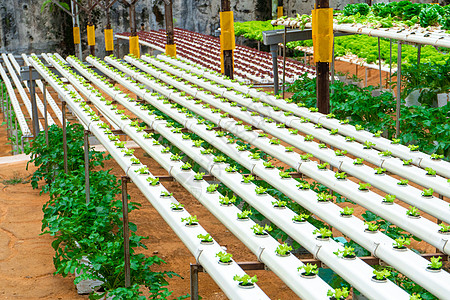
44,91
86,166
194,281
63,109
126,233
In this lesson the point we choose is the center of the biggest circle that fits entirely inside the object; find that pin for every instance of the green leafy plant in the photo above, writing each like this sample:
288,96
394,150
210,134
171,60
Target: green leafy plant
246,280
322,146
244,214
283,249
166,194
435,264
349,139
385,153
323,166
430,172
400,242
324,233
248,179
427,192
260,230
340,152
219,159
371,226
176,206
231,169
347,211
300,218
225,200
368,145
306,156
340,175
268,165
259,190
224,257
284,174
413,147
205,238
380,171
364,186
274,141
444,228
135,161
212,188
403,182
191,220
358,161
435,156
255,155
324,197
279,203
199,176
304,186
389,198
348,252
381,274
153,181
186,166
339,293
413,211
289,149
407,162
309,269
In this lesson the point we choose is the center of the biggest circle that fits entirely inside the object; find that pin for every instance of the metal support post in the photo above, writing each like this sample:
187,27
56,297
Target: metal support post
390,64
44,91
399,86
126,233
323,75
227,54
333,61
34,112
276,82
86,166
419,48
16,134
284,60
379,61
64,125
194,281
169,22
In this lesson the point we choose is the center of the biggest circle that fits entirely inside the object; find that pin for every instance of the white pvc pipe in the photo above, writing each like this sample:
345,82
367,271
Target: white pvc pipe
205,255
436,207
354,228
284,268
282,218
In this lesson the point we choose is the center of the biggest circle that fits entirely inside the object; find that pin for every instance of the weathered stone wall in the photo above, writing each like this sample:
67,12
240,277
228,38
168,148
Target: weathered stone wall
24,29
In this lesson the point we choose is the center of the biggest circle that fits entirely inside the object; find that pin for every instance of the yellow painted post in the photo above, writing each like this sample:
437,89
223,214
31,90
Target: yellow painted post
322,34
171,50
227,39
280,12
91,35
109,40
134,46
76,35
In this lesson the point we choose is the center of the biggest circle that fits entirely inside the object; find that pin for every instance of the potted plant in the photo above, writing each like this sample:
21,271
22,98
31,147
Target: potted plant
300,218
358,161
364,187
323,166
347,212
338,294
435,265
246,282
283,250
430,172
413,213
324,197
190,221
224,258
303,186
176,207
381,276
388,199
261,231
380,171
247,179
340,175
205,239
324,234
268,165
371,227
244,215
310,271
153,181
347,253
226,201
399,243
445,229
308,138
279,204
166,194
427,193
261,191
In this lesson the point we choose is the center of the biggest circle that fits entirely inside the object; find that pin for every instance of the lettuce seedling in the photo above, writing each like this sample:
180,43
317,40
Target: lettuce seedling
260,230
245,280
435,264
413,211
283,249
382,274
224,257
244,214
300,218
212,188
309,269
260,190
248,179
205,237
323,232
338,294
347,211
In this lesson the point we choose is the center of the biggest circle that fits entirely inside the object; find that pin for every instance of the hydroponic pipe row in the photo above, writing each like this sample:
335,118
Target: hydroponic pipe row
284,267
418,158
357,273
15,103
39,103
50,99
205,255
409,194
19,87
380,245
381,160
396,214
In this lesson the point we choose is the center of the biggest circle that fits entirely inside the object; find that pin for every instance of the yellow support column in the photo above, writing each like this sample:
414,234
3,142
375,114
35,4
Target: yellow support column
91,35
134,46
109,40
171,50
76,35
322,34
280,12
227,40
